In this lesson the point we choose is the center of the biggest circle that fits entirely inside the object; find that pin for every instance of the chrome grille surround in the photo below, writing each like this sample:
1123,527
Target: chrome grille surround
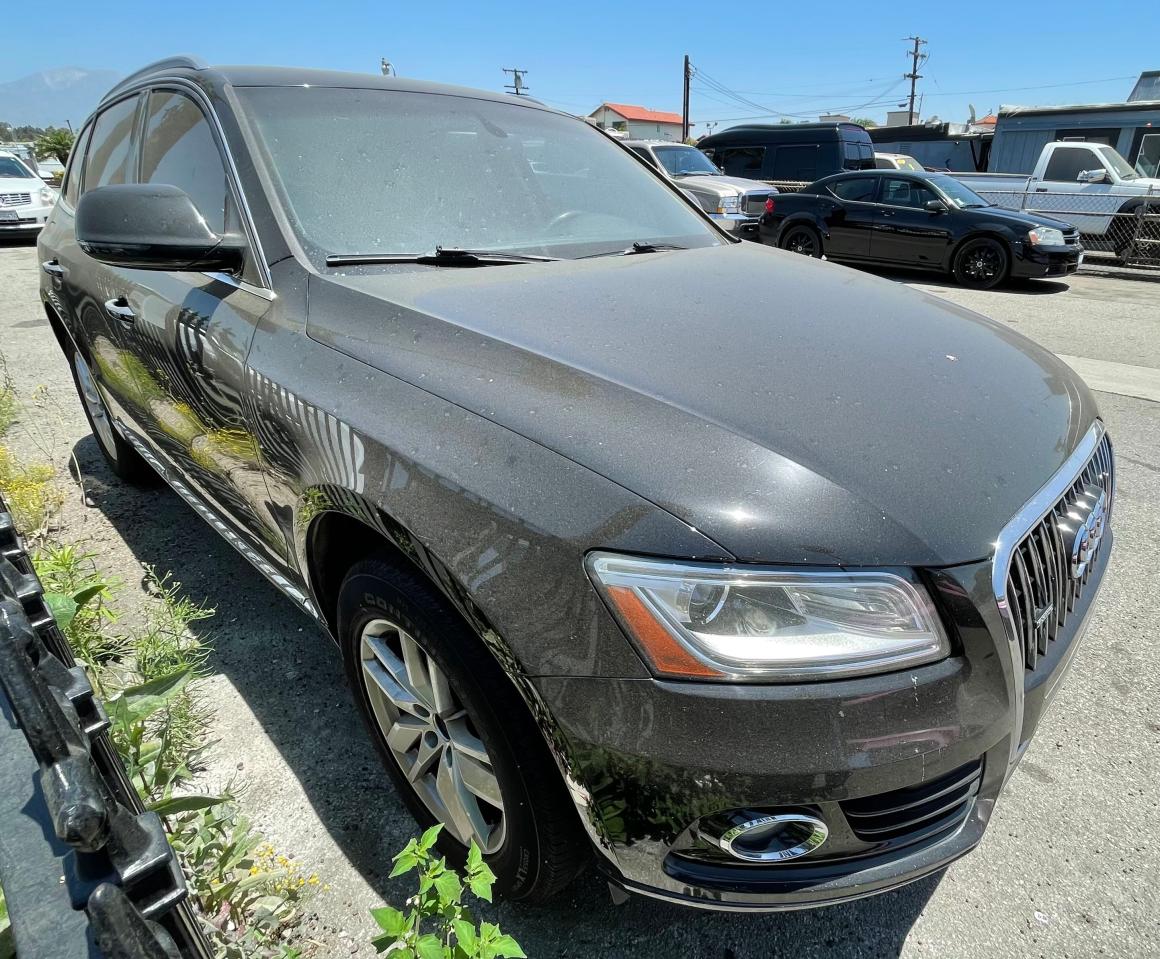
1092,459
1040,589
15,199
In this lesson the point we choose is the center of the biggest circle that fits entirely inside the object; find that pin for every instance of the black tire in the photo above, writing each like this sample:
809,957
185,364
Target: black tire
804,240
543,847
982,264
122,458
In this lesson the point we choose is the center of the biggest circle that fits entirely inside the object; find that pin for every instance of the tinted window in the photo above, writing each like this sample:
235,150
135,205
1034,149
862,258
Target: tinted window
110,151
796,163
741,161
898,192
76,163
1066,163
857,155
860,188
178,149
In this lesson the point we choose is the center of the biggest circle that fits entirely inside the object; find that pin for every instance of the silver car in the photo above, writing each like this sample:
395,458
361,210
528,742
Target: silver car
735,203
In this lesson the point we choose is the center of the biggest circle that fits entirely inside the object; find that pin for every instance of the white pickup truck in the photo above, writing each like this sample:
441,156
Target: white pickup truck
1087,184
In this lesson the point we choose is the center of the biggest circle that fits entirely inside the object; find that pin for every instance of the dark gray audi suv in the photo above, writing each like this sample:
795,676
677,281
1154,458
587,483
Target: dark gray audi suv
745,576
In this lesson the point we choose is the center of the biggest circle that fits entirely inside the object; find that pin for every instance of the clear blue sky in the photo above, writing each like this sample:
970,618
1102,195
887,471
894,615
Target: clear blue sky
835,56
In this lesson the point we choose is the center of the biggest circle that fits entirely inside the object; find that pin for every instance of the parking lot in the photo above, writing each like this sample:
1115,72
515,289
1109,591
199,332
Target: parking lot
1068,867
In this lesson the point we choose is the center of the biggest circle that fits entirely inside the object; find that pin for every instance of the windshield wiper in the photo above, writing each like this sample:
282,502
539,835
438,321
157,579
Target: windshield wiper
636,248
440,256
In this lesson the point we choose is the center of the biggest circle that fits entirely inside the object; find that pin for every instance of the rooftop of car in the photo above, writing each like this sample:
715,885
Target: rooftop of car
265,76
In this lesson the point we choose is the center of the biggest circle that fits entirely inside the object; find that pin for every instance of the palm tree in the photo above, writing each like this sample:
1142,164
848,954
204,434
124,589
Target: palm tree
54,142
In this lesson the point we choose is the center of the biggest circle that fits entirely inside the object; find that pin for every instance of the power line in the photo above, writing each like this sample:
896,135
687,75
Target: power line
517,86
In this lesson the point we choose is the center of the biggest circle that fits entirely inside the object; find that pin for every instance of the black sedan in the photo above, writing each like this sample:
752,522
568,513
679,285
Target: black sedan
926,221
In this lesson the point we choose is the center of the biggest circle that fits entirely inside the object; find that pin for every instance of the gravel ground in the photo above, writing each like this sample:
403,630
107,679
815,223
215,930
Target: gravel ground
1070,864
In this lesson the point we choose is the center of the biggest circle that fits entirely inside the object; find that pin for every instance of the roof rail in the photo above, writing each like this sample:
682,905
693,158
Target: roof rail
188,61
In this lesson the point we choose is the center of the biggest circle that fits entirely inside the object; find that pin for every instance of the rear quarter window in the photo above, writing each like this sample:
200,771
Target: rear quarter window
860,188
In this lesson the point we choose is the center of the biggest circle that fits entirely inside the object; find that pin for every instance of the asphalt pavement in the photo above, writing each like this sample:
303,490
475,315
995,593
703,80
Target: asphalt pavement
1070,866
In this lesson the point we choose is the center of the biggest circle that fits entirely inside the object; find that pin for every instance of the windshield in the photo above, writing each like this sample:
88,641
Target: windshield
379,171
13,168
684,161
1119,165
962,197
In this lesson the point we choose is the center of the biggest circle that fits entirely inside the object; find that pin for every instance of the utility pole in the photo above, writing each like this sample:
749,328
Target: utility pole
915,59
517,86
685,101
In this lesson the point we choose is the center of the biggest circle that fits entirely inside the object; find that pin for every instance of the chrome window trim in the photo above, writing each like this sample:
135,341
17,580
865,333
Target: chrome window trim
191,89
1010,536
242,285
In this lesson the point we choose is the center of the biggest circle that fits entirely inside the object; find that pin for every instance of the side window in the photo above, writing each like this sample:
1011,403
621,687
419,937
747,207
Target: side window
1066,163
1148,159
178,149
898,192
796,163
76,165
860,189
741,161
644,155
110,153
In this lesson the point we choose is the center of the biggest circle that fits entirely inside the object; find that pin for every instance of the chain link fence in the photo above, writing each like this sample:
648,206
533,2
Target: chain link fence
1122,223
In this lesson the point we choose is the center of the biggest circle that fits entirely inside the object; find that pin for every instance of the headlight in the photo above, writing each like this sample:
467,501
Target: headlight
1045,236
700,621
47,195
728,204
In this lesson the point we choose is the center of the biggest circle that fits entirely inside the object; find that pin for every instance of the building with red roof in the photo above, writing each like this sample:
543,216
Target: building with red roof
638,123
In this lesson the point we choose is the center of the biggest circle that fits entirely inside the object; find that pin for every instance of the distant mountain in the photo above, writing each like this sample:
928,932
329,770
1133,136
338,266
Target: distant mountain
52,97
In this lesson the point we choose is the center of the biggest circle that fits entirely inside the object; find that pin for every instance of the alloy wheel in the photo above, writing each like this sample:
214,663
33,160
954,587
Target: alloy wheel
94,404
431,736
983,263
803,242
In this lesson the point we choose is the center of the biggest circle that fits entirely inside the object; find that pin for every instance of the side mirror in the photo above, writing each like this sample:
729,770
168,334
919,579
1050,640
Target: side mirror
150,226
1092,176
935,206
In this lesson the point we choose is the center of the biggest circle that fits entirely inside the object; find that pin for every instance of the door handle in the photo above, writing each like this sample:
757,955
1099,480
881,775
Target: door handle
1041,189
52,268
119,307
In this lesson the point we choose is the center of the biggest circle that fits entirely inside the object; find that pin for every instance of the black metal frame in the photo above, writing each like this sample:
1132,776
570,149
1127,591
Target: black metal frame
86,870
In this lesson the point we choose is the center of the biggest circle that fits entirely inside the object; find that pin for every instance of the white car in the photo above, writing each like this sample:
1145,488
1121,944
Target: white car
25,199
897,161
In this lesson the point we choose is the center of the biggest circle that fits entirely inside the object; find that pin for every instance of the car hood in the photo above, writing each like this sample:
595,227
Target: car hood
1022,220
792,410
724,185
12,184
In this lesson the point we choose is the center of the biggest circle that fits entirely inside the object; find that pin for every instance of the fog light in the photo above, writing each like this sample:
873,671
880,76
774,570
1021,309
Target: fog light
776,837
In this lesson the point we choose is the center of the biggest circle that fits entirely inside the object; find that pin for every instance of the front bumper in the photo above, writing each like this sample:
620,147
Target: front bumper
1033,262
654,759
739,224
29,218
